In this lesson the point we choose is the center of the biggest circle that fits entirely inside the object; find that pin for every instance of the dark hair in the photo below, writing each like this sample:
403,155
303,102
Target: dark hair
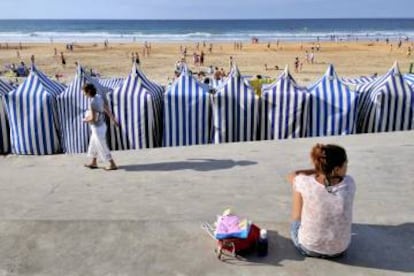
327,157
89,89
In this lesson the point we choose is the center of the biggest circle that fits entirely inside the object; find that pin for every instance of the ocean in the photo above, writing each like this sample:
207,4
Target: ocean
204,30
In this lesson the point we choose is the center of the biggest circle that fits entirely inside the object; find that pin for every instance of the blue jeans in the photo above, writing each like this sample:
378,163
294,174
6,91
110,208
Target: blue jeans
294,230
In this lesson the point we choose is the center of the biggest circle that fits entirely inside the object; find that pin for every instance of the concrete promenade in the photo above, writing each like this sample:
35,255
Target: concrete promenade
59,218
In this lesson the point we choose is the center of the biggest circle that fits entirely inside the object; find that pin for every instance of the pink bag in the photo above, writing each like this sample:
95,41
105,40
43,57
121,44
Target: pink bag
231,226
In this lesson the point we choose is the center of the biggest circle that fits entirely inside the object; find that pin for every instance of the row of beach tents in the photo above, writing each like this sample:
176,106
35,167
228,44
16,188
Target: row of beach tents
42,116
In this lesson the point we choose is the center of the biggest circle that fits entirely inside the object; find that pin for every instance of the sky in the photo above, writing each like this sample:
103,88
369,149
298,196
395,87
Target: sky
204,9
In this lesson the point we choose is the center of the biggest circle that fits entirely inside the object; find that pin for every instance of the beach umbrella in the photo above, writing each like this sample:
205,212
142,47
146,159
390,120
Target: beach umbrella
332,107
72,105
5,88
137,105
32,112
187,112
236,110
388,104
284,107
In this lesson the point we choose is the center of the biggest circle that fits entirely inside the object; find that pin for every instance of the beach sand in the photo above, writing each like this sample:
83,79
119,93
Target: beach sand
351,59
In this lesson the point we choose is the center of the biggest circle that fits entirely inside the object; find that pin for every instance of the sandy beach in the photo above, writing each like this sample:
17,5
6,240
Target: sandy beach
351,59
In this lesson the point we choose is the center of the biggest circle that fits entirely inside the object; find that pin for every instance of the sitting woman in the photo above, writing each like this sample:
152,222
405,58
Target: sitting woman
322,204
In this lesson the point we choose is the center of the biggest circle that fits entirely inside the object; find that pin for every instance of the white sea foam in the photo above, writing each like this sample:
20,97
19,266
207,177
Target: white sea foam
197,36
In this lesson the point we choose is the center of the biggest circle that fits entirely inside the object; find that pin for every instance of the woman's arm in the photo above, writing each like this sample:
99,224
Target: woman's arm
90,117
292,175
110,115
296,205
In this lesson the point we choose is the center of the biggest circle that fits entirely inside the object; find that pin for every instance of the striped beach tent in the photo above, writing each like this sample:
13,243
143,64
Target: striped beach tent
32,111
409,78
284,107
111,83
216,83
236,110
332,107
187,112
72,105
137,105
388,105
358,80
5,88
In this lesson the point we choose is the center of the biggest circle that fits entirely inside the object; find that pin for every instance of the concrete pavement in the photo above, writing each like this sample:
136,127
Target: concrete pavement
59,218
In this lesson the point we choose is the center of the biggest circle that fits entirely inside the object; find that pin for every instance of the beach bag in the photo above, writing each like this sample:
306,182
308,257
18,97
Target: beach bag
240,246
231,226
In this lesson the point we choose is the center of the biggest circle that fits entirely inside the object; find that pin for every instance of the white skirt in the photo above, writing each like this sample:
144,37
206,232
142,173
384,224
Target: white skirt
97,144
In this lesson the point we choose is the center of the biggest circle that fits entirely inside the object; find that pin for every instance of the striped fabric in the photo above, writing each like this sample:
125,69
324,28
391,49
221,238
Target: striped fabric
32,111
4,124
137,105
214,83
283,109
5,87
236,111
358,80
388,105
111,83
187,113
410,79
72,105
332,107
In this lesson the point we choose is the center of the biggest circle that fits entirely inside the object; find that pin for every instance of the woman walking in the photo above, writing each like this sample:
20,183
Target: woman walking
95,117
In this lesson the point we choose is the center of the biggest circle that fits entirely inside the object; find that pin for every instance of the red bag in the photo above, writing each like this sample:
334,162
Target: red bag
237,246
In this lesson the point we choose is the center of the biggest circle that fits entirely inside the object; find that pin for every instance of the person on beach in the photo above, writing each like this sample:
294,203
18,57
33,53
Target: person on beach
202,58
95,117
322,204
137,61
296,65
62,58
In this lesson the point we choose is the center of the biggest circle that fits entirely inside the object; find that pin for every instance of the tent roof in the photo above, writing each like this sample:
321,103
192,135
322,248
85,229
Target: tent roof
284,76
5,87
329,76
393,72
185,75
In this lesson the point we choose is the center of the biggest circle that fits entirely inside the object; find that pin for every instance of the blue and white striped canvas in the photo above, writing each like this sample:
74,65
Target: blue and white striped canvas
5,88
284,109
32,112
187,113
409,78
216,83
137,105
236,111
388,105
358,80
72,105
111,83
332,107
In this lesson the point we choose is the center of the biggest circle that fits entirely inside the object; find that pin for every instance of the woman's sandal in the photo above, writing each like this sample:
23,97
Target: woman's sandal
90,166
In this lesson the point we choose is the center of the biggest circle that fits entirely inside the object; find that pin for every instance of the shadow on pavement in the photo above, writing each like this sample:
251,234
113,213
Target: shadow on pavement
202,165
388,247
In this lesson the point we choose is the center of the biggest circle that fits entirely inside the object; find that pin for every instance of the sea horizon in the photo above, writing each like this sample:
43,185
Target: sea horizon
225,30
